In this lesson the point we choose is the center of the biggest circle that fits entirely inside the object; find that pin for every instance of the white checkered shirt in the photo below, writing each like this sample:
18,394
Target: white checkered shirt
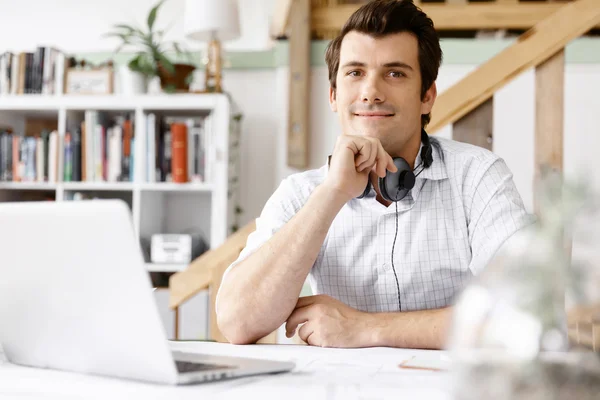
459,212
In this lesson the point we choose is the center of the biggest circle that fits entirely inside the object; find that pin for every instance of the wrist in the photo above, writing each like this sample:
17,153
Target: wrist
331,195
375,330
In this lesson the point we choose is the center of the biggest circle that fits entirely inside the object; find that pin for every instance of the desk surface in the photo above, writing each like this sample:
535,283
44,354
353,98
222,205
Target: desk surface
347,374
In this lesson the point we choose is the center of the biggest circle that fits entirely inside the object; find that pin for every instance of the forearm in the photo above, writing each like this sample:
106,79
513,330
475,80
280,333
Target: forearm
259,294
426,329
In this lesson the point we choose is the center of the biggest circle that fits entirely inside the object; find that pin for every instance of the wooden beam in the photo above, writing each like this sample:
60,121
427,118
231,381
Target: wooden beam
584,326
585,314
454,17
183,285
549,122
280,20
549,114
477,126
198,276
299,92
532,48
206,272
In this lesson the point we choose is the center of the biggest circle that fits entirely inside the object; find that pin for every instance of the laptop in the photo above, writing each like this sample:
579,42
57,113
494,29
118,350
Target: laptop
76,297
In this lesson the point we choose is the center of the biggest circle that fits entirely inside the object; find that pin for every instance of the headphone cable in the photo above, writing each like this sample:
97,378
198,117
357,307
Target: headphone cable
393,246
396,236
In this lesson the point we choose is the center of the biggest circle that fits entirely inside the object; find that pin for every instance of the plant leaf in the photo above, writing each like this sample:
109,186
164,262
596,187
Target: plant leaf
190,78
152,15
124,26
141,63
166,63
170,88
134,64
112,34
177,48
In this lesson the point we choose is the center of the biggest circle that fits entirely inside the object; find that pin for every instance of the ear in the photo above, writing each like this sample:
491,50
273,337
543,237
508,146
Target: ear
332,100
429,99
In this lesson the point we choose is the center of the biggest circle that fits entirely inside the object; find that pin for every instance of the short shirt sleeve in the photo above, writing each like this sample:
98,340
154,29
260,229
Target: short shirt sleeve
496,214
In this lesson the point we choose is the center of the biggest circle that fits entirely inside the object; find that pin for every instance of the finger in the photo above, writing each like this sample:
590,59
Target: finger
364,154
308,300
306,331
382,160
297,317
372,157
390,164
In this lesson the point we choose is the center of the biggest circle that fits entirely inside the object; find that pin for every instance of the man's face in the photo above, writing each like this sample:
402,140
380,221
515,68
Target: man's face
379,89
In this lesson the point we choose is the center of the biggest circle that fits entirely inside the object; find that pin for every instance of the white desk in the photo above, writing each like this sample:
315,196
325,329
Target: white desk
319,374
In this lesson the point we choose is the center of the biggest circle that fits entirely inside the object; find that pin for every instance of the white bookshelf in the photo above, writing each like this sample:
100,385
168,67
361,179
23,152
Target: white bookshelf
157,207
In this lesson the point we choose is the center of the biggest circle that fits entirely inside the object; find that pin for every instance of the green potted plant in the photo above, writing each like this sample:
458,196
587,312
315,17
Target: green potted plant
151,57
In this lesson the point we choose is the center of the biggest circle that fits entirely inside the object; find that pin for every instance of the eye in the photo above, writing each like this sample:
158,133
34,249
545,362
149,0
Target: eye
396,74
353,73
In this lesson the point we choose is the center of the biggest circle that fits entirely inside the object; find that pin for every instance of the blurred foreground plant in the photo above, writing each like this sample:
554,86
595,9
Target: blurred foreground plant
509,337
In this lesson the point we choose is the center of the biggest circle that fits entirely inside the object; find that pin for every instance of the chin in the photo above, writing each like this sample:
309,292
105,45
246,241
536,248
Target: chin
375,131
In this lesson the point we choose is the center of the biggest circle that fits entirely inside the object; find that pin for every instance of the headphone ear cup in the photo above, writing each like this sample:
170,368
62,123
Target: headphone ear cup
407,180
383,187
392,186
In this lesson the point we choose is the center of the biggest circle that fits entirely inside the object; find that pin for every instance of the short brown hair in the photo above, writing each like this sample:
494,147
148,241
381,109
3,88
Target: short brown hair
384,17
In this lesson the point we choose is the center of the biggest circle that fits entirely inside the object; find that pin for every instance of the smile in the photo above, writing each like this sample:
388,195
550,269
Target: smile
374,115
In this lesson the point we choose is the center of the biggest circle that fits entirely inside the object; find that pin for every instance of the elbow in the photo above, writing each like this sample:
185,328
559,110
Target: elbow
233,322
234,328
238,319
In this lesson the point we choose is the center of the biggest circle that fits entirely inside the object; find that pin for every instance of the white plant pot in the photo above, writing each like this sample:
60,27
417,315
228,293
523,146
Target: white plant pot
128,82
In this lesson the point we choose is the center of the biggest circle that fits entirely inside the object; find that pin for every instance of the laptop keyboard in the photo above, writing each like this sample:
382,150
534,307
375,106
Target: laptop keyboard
184,366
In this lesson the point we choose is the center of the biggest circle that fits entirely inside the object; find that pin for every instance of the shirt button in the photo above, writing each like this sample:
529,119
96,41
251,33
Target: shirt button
386,266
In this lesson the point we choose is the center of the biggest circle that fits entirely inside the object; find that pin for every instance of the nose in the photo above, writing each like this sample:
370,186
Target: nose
371,92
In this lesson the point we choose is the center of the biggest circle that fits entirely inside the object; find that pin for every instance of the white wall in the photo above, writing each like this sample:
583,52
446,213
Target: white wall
255,93
78,25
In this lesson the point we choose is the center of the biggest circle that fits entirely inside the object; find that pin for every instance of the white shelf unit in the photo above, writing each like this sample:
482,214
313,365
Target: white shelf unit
157,207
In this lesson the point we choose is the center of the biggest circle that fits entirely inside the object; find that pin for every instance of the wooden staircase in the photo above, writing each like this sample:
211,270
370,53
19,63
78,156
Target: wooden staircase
468,104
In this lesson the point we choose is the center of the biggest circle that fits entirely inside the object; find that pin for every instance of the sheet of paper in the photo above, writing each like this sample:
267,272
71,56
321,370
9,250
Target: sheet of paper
431,362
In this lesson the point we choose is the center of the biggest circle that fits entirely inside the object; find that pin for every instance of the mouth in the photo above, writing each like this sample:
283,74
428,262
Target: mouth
373,115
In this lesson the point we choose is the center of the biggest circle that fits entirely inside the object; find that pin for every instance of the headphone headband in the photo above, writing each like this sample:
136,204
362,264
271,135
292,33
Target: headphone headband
426,154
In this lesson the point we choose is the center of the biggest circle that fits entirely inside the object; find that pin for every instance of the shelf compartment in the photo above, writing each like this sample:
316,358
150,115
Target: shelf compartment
161,212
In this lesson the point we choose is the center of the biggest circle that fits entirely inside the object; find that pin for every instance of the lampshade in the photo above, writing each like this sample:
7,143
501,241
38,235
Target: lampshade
203,18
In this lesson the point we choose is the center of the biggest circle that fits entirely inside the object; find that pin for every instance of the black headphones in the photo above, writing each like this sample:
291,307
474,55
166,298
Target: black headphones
395,185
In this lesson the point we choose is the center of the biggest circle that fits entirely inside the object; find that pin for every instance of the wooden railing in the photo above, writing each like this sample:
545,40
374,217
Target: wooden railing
328,16
205,273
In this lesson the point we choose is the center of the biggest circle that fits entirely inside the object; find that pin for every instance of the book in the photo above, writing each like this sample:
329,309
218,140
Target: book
179,152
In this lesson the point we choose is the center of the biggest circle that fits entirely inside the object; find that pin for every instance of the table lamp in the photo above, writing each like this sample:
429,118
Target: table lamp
212,21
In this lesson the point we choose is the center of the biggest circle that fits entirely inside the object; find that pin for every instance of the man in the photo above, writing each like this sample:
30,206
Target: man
385,273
